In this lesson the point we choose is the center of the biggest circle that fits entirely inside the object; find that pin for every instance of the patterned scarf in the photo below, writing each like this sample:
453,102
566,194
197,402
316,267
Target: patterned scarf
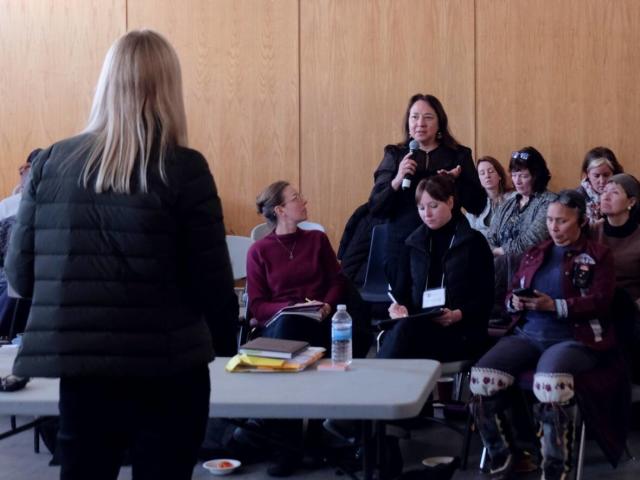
593,201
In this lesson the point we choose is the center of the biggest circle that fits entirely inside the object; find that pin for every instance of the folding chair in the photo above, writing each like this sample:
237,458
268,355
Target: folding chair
376,287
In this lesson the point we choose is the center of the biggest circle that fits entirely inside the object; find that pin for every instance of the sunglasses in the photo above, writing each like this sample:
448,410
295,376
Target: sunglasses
522,155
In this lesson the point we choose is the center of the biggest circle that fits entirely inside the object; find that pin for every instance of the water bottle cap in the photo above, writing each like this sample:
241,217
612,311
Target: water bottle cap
342,308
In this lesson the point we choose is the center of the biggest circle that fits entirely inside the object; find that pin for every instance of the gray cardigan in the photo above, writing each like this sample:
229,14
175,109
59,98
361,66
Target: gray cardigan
515,230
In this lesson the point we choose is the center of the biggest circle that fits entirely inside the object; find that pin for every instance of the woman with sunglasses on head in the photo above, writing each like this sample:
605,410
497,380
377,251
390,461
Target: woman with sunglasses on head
599,165
561,297
495,182
287,267
519,223
434,150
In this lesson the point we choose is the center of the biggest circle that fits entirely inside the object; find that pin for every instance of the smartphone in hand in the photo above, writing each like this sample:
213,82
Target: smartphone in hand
525,292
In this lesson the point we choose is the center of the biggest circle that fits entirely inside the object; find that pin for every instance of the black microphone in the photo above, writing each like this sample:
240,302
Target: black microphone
414,146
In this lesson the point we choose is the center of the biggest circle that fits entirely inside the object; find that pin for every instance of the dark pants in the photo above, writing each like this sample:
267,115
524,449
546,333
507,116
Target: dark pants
515,354
417,338
161,420
295,327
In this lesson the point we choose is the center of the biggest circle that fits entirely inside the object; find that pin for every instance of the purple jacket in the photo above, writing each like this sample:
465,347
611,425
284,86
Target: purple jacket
587,309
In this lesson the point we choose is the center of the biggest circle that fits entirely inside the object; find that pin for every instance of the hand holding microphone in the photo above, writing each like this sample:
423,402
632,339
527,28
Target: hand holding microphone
414,146
406,169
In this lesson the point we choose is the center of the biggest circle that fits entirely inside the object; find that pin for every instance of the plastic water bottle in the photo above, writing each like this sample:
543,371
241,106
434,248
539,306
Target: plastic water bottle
341,339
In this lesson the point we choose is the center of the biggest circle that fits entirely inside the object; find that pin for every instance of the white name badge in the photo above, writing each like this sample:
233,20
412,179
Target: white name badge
434,297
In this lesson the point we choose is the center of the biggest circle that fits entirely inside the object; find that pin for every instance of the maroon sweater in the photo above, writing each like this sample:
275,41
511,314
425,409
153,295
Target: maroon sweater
275,281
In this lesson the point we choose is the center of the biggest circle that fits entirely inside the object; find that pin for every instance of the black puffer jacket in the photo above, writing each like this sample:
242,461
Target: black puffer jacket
120,284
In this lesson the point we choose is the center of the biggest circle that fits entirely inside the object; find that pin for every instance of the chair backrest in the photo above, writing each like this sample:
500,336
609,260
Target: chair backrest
264,229
260,231
376,285
311,226
238,248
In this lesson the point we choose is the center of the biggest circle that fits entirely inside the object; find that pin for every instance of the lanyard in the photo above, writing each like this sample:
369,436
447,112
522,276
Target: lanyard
426,285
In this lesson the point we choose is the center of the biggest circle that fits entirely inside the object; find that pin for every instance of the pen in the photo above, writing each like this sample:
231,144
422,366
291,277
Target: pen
392,298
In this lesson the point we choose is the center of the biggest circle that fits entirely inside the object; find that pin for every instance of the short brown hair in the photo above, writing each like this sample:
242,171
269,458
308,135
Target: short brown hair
440,187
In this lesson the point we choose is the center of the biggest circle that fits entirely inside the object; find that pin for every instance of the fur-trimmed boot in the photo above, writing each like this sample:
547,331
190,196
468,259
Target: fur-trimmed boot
489,404
557,438
495,431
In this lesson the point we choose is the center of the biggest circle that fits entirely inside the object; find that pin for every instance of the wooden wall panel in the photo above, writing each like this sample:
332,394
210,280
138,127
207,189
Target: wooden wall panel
360,62
561,76
240,70
51,52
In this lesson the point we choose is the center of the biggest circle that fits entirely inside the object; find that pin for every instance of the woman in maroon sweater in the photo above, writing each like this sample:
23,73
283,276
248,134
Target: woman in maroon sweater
287,267
291,266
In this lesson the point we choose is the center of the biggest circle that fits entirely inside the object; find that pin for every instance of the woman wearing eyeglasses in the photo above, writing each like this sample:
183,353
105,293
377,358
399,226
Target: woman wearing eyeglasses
561,295
290,266
435,151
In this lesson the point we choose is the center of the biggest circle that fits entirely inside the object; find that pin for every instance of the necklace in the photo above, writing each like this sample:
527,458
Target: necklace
290,250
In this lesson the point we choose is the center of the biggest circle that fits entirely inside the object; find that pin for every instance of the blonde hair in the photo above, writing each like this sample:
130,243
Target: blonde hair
138,108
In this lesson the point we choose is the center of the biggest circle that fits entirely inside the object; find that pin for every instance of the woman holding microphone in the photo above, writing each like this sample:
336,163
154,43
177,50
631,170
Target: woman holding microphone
428,148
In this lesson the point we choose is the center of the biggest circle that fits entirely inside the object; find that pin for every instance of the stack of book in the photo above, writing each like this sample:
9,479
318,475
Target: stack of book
274,355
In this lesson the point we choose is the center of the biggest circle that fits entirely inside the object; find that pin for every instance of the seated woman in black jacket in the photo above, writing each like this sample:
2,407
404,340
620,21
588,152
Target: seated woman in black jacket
447,264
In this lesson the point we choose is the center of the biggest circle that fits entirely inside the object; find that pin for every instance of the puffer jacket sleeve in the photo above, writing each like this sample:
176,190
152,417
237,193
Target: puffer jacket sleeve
19,262
207,263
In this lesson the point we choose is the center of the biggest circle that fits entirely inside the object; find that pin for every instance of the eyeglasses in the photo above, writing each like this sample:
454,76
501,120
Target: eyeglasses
522,155
297,198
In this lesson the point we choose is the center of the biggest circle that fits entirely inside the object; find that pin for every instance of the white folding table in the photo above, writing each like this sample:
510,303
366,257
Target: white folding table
372,390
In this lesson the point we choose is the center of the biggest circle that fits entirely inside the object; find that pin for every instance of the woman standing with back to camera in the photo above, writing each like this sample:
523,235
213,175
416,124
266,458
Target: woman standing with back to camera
120,243
437,151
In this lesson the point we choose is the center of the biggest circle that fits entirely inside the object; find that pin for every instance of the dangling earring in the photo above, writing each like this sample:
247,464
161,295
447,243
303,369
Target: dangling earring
439,135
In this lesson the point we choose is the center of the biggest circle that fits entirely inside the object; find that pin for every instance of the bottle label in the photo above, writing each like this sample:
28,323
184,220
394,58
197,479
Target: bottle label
341,334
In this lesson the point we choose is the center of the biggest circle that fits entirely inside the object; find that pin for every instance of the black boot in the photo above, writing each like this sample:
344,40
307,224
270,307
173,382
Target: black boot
495,431
557,436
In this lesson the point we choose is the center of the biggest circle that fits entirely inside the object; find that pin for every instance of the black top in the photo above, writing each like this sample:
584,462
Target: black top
622,231
439,243
399,207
